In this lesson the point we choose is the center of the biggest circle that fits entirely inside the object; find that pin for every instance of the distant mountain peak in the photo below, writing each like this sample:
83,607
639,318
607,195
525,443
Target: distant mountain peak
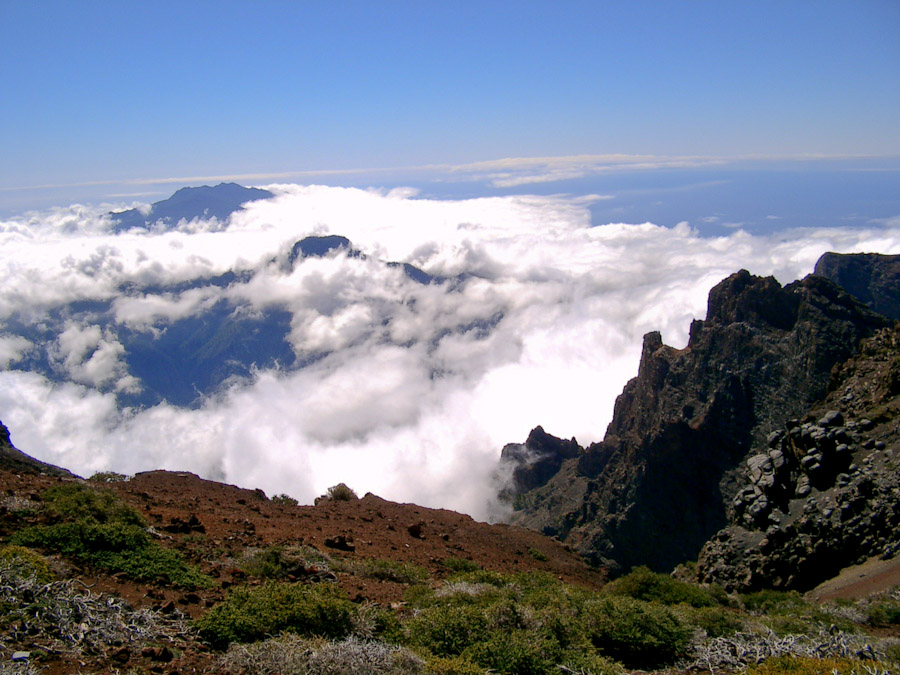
188,203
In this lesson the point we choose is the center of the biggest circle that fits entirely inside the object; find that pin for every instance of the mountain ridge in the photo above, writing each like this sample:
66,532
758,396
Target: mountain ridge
674,453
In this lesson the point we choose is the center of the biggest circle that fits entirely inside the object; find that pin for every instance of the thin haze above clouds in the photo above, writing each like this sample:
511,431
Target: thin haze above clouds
422,384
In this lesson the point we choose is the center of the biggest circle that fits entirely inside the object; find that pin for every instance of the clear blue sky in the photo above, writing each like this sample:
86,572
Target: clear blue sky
97,91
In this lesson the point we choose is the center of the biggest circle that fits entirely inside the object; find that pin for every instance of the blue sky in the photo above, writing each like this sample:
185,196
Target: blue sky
114,91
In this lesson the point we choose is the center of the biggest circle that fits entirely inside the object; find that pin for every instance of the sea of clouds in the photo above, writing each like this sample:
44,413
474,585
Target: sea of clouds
540,323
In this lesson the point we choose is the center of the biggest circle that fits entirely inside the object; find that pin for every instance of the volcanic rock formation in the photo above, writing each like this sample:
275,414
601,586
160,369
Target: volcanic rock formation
660,483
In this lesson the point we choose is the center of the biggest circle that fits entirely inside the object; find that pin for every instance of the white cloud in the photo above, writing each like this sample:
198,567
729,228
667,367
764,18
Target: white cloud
12,349
539,322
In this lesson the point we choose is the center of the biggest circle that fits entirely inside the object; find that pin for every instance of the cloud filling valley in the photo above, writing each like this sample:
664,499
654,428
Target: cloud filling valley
407,389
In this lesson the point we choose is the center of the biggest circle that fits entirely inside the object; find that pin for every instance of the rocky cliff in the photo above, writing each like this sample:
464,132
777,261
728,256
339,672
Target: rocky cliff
872,278
823,492
673,459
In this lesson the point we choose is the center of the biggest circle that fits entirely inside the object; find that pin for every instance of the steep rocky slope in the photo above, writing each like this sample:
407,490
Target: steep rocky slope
872,278
659,484
824,492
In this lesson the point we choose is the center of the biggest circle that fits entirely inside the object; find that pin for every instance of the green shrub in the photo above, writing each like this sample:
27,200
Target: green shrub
884,613
98,529
251,614
285,500
460,564
537,555
637,633
642,584
587,662
279,562
74,501
808,665
514,653
447,630
338,493
715,621
452,665
390,570
293,655
481,577
108,477
23,562
767,601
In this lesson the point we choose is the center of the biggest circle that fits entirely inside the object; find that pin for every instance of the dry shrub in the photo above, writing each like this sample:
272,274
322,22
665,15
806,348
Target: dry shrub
293,655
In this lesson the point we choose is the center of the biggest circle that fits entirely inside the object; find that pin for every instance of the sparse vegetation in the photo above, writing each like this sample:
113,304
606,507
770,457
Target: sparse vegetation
390,570
338,493
58,616
108,477
460,564
642,584
285,500
251,614
281,562
95,527
291,654
280,615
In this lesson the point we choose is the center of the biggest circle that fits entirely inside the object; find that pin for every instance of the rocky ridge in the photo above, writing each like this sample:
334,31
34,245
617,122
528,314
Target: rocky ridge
673,460
825,492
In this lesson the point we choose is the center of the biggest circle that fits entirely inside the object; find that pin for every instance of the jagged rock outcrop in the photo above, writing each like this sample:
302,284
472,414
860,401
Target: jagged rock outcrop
823,493
658,486
13,459
537,460
872,278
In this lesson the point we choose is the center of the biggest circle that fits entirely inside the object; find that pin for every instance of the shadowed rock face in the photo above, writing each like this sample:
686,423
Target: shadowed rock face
872,278
656,488
822,493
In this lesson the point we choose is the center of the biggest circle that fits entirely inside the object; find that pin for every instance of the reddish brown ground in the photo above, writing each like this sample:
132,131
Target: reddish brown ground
233,519
859,581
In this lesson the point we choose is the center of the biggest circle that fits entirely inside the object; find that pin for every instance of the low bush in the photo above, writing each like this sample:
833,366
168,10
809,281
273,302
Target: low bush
514,653
108,477
767,601
585,662
447,630
285,500
74,501
251,614
96,528
460,564
280,562
884,612
643,584
61,616
537,555
390,570
637,633
22,562
809,665
338,493
715,621
294,655
452,665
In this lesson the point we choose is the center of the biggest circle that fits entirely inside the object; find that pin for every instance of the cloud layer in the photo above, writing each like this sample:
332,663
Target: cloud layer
414,388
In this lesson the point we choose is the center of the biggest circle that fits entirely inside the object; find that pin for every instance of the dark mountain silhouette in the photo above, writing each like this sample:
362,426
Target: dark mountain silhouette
189,203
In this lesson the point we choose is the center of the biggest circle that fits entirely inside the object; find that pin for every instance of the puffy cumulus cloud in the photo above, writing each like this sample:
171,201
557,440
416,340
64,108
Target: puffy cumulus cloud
12,349
414,388
91,355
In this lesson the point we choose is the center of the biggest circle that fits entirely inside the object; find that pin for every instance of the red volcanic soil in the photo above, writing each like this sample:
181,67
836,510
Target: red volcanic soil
214,524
